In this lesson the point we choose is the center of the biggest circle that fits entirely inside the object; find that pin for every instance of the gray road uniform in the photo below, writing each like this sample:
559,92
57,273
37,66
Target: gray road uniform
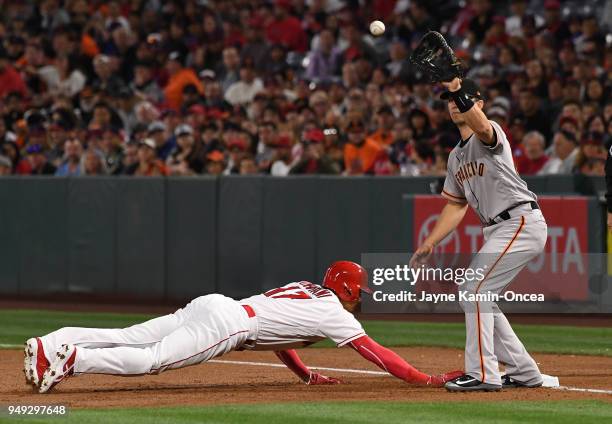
514,233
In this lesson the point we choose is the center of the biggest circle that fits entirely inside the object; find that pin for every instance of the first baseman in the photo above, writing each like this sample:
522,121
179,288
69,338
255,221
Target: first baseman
481,174
281,320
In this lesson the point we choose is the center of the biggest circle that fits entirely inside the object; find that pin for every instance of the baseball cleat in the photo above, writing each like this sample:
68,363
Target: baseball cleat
34,361
467,383
441,379
62,367
510,383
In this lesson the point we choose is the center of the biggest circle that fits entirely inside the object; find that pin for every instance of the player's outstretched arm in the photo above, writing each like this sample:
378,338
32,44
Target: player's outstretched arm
392,363
295,364
474,117
449,219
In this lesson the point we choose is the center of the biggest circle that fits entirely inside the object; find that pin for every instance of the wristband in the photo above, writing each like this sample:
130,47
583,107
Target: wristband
461,99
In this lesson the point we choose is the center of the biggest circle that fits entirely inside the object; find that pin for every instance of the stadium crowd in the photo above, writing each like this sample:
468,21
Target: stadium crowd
154,87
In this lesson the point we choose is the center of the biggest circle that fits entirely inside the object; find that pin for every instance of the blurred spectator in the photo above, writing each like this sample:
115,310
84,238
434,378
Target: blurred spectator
6,167
93,163
564,157
531,158
361,154
324,63
179,78
248,165
70,166
36,162
215,163
186,159
592,156
313,159
106,73
244,90
148,165
10,79
530,111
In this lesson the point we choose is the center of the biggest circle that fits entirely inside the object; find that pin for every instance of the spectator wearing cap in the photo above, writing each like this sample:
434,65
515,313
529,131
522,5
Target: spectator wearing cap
6,166
157,131
324,63
313,158
553,24
244,90
531,112
384,126
237,146
215,163
148,164
93,163
179,77
592,155
187,158
360,154
71,165
106,78
144,85
10,79
530,158
282,160
36,160
286,29
564,156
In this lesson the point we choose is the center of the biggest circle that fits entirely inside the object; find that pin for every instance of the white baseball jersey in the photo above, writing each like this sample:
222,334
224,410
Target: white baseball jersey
299,314
485,176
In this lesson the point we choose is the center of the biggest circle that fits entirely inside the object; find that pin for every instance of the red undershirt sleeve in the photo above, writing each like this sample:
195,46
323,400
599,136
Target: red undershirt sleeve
294,363
388,360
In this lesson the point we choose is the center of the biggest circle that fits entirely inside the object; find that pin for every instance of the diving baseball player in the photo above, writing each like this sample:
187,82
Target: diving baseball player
281,320
481,174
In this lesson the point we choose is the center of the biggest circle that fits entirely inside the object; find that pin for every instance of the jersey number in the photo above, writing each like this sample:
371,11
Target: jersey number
291,292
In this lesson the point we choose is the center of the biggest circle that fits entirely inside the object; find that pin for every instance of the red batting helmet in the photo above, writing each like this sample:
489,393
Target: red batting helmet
346,279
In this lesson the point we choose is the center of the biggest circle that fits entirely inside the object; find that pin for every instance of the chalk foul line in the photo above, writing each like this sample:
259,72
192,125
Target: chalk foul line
344,370
382,373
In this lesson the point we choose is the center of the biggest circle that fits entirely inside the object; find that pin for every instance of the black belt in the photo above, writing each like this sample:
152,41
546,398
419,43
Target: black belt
505,215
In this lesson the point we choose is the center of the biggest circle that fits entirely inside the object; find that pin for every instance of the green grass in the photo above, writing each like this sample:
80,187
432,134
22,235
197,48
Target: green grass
18,325
352,412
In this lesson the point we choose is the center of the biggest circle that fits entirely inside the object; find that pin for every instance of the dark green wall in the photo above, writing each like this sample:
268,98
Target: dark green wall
177,238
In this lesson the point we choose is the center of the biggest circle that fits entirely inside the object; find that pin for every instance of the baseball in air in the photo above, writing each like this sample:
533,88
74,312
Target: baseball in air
377,28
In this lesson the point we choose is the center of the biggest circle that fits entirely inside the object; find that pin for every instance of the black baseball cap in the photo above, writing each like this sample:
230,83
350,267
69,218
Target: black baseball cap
469,87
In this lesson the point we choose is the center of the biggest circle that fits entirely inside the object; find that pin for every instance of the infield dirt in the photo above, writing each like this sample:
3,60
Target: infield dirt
216,383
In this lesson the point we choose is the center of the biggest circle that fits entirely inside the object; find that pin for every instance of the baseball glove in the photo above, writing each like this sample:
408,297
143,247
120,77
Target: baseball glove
434,57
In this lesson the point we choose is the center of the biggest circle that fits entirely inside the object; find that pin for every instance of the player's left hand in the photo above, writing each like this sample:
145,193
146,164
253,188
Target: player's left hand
453,85
441,379
318,379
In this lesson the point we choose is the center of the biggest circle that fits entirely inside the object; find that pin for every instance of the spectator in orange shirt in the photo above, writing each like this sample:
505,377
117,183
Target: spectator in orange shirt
361,154
384,125
179,78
